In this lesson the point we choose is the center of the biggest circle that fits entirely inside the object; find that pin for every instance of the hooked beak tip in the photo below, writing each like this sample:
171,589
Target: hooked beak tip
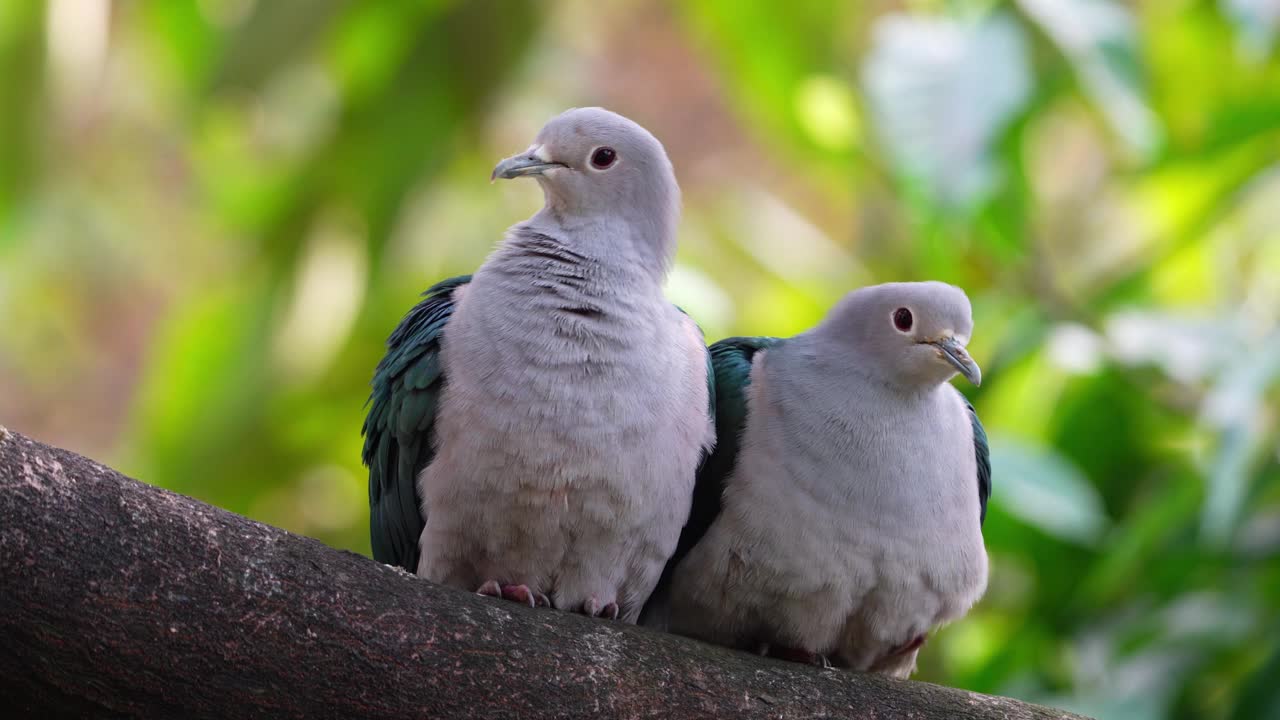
956,354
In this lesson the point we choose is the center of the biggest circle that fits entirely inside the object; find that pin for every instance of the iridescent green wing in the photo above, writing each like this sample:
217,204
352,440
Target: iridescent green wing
399,427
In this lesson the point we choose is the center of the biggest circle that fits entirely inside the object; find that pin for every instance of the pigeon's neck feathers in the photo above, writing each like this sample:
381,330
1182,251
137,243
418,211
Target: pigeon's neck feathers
545,268
639,228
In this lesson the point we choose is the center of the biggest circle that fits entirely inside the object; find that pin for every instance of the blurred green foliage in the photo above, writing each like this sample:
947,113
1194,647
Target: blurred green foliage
213,212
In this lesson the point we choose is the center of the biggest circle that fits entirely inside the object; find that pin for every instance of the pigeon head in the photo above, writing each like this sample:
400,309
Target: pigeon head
909,333
594,164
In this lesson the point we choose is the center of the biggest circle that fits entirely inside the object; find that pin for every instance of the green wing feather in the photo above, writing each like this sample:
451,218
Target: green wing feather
729,375
982,450
398,429
731,361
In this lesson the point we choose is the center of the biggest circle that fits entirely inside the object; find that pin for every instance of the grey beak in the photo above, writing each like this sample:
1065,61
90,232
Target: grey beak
955,354
520,165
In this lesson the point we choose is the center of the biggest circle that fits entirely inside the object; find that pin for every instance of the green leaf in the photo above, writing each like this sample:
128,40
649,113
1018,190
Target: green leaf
1260,697
1256,23
1099,38
203,390
274,35
1043,489
21,117
772,53
941,92
1235,403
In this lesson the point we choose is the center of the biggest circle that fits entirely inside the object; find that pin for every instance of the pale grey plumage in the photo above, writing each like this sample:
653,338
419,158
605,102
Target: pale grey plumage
850,524
575,408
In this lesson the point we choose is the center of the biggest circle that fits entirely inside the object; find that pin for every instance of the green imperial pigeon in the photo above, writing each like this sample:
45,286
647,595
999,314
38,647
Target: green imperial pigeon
535,429
840,515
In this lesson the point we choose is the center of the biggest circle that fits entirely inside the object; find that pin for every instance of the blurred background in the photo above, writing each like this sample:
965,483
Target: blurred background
213,212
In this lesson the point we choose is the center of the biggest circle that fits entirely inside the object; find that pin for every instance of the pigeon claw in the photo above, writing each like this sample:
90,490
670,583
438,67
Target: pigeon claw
515,593
900,661
522,594
593,608
914,643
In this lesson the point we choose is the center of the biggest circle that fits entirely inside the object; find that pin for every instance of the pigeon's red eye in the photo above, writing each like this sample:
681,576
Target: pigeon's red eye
603,158
902,319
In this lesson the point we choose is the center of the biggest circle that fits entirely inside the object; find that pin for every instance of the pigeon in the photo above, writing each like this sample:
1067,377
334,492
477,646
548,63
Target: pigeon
839,518
534,429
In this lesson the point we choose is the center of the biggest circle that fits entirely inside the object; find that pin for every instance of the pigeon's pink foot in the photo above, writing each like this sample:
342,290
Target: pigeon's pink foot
901,661
797,655
593,608
911,645
515,593
523,594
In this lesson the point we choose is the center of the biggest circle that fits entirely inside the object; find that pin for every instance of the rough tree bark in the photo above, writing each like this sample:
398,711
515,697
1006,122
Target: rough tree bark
119,599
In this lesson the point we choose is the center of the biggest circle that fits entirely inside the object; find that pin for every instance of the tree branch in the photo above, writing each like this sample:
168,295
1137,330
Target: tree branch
121,599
